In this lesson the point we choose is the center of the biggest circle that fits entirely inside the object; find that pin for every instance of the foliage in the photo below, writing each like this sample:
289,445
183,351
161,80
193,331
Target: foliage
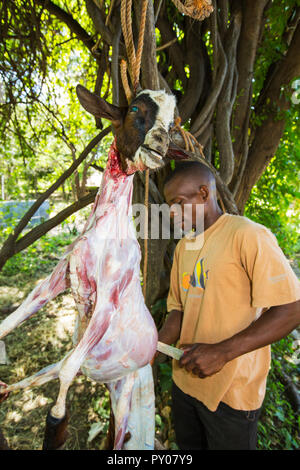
273,44
279,422
37,257
40,126
274,201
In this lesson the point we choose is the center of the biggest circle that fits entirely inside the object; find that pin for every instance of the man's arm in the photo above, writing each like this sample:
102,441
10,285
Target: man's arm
170,331
276,323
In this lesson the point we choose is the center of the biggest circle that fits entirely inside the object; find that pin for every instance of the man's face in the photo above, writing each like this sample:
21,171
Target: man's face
182,192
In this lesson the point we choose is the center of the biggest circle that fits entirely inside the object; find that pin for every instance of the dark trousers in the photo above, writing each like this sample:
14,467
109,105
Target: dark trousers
196,427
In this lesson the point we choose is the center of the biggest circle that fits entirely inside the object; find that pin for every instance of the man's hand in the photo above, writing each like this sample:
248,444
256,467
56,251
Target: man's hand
208,359
202,359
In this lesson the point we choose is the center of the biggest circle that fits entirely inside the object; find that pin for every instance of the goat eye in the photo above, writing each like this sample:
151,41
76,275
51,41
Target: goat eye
134,109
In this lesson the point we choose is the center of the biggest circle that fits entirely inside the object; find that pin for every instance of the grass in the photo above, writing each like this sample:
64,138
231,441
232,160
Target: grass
40,341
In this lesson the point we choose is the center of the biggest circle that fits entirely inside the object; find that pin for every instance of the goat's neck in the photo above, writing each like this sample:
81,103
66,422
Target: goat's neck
115,190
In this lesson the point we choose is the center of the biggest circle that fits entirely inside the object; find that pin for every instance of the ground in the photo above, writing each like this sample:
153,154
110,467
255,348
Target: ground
40,341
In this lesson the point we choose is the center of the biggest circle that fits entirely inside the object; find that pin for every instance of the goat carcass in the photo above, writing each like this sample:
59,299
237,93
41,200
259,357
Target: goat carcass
115,336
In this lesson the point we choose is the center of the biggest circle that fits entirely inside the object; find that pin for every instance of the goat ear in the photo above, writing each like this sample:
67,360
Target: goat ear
97,106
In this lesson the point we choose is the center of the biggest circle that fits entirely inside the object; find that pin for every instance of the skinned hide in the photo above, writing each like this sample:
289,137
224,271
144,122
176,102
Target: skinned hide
115,336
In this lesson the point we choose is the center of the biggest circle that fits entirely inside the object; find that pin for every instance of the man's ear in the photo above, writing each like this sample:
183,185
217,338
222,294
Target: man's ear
204,192
98,107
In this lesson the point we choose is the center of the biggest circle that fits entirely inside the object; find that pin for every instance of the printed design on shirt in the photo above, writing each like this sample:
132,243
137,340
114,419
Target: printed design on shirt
197,279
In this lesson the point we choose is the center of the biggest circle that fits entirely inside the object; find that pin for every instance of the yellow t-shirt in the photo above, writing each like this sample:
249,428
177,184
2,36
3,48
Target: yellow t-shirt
221,288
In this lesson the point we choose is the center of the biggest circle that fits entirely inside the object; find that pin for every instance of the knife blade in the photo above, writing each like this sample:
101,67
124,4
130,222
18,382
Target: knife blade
175,353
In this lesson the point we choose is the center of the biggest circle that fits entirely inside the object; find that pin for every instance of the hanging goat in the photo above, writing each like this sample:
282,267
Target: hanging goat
115,336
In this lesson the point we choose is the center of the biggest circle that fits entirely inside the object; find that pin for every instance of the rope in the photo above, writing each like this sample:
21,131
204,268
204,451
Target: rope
189,140
197,9
127,32
134,67
137,66
146,233
123,67
134,57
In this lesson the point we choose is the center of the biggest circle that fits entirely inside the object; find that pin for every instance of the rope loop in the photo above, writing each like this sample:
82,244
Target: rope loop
190,141
134,56
197,9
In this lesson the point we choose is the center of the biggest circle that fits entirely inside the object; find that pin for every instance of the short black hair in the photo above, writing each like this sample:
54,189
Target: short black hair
190,169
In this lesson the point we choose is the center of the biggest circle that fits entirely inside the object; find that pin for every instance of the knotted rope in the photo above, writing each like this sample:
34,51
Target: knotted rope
134,56
197,9
146,203
190,143
134,67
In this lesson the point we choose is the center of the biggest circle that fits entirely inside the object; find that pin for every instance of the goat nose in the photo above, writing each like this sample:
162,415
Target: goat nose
160,134
159,139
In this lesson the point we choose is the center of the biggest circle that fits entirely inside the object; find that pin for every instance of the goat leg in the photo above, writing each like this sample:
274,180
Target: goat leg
55,432
46,374
47,290
120,394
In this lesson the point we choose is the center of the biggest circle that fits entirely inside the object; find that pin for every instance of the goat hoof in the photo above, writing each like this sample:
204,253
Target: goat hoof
127,437
56,432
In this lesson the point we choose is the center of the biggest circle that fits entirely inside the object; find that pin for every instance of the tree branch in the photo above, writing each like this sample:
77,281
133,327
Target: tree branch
68,19
45,227
195,58
8,247
267,136
202,121
175,53
99,24
226,100
252,24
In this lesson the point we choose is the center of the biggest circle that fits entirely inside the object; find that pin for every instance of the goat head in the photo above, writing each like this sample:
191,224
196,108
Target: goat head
141,129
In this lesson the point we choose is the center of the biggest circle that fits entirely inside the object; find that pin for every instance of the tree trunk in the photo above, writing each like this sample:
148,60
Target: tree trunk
275,101
212,67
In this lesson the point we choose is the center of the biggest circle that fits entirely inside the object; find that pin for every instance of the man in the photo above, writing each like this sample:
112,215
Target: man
228,301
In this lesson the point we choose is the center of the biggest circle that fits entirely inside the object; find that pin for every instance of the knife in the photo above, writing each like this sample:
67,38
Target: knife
175,353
